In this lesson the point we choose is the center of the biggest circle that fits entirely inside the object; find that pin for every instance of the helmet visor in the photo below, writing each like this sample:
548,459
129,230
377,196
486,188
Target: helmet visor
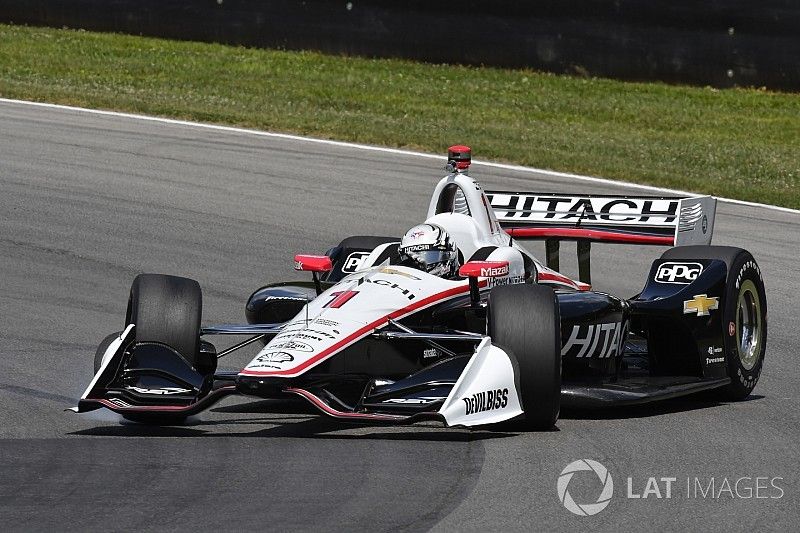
427,260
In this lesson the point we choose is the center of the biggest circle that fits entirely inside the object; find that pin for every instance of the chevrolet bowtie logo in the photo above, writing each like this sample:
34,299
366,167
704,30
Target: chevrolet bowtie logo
701,304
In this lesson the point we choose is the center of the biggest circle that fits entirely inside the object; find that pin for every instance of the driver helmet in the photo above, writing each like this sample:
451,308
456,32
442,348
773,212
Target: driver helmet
428,247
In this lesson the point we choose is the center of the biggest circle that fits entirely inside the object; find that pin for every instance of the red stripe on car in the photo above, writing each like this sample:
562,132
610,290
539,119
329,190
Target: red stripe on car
362,332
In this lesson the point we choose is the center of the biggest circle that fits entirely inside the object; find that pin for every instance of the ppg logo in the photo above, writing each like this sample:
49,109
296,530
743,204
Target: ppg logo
354,261
681,273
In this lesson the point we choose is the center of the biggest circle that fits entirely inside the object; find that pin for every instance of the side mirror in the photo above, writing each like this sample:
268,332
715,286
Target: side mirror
484,269
481,269
313,264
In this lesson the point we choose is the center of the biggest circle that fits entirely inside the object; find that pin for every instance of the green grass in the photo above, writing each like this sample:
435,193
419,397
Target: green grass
735,143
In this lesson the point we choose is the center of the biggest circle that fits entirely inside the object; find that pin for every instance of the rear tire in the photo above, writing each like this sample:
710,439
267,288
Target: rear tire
524,320
744,319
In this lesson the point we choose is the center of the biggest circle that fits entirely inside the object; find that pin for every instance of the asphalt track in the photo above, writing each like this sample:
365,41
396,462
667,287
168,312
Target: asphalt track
87,202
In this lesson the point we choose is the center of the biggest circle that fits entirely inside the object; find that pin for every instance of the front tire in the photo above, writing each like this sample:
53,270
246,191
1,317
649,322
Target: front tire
744,318
101,350
524,320
167,310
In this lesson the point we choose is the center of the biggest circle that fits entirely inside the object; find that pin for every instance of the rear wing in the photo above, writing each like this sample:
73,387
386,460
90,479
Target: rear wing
654,220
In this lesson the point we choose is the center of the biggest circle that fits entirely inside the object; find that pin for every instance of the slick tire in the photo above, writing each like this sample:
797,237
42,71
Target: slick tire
101,350
744,319
167,309
524,320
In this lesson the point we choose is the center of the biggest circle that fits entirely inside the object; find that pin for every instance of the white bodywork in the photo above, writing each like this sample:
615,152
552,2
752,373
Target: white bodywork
486,392
365,301
348,312
112,350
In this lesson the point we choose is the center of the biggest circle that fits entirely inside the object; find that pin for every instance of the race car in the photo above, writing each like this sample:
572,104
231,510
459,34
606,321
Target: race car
482,333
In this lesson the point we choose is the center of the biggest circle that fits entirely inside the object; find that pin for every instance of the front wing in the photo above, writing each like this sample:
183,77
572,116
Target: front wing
486,391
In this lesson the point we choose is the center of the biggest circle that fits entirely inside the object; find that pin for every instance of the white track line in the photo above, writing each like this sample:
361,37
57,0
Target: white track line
518,168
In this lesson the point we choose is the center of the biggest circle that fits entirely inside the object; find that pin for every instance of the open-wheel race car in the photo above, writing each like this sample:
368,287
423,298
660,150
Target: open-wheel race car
456,322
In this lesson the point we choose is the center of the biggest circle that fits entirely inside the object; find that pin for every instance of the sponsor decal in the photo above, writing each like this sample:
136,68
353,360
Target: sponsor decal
714,349
701,304
485,401
325,322
416,234
387,270
323,333
386,283
309,334
293,298
293,345
299,333
492,272
594,340
704,224
430,353
271,360
511,280
275,357
298,265
161,391
678,273
425,400
525,207
731,329
606,492
748,265
712,360
418,248
354,261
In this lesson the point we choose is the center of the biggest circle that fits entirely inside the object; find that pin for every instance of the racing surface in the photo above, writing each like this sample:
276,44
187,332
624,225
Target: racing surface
89,201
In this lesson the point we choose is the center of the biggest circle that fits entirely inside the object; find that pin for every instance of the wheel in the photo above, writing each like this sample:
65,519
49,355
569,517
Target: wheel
167,309
101,350
744,318
524,320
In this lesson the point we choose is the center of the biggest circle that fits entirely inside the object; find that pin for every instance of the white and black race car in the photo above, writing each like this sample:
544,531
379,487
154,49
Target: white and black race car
508,338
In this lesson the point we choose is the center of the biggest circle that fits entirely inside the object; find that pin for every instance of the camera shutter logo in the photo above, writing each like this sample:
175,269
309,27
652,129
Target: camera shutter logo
585,509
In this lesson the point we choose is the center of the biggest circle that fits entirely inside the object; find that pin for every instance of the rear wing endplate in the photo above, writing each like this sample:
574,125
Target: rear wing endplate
653,220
